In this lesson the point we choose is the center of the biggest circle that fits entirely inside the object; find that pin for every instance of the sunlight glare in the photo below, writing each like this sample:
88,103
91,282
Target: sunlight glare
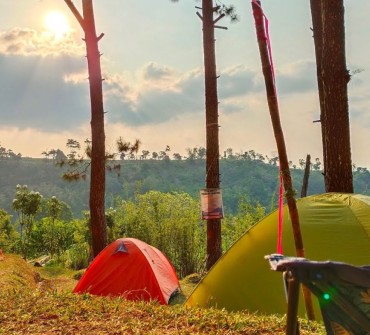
57,24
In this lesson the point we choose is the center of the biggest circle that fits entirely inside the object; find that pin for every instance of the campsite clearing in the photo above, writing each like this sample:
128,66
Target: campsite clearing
26,309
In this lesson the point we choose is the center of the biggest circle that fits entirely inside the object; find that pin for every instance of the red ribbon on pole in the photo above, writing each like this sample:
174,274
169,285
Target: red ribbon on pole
263,34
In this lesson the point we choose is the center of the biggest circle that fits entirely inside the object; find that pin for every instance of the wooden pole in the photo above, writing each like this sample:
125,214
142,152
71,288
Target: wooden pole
306,176
279,137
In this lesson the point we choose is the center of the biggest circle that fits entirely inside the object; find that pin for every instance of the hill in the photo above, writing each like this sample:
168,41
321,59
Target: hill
253,180
27,309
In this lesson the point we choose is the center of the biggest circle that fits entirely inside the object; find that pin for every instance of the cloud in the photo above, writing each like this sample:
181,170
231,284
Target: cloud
297,77
45,87
153,71
29,42
45,90
160,94
41,85
359,106
237,81
35,94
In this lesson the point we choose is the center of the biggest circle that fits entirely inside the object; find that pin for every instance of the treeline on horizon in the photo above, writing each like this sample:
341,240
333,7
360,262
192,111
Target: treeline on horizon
195,153
250,176
198,152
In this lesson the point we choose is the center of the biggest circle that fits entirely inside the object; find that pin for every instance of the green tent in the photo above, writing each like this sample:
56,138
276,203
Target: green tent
334,227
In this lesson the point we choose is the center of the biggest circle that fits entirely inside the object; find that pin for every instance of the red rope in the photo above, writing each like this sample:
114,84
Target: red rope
262,25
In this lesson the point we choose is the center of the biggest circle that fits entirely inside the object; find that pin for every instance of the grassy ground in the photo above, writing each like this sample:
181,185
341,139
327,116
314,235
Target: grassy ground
38,301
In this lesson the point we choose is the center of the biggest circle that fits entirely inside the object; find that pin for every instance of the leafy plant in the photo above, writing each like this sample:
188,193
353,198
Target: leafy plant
9,237
168,221
27,204
77,257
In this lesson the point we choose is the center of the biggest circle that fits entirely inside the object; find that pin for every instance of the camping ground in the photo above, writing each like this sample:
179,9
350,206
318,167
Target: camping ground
39,301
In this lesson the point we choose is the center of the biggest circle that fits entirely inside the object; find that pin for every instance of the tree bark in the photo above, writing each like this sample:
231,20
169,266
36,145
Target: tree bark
316,14
276,124
97,182
280,141
214,250
335,77
306,176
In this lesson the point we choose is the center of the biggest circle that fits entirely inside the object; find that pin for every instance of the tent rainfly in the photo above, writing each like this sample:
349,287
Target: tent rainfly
334,227
130,268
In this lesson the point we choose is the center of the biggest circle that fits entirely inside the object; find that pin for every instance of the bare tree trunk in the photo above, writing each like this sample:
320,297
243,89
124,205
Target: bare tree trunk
316,14
306,176
214,250
97,182
280,142
335,77
332,78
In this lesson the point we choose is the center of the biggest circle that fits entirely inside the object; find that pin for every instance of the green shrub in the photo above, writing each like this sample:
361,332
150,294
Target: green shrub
168,221
77,257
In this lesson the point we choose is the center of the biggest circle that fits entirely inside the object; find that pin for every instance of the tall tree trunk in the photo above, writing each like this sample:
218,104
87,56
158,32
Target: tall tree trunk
316,14
214,250
97,182
335,77
332,79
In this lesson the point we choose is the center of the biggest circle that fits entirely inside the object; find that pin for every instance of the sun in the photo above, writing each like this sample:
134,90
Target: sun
57,24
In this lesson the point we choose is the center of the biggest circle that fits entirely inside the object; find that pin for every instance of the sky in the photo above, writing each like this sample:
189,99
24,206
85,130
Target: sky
152,64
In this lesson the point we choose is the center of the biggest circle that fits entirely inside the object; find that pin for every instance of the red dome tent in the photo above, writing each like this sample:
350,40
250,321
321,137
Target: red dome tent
130,268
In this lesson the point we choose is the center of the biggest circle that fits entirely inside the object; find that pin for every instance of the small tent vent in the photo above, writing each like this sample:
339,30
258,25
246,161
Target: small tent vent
121,248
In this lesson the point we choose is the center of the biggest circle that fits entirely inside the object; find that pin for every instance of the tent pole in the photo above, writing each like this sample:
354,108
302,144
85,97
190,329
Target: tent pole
268,73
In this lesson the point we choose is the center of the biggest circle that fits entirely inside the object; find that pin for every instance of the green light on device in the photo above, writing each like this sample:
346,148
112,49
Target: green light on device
326,296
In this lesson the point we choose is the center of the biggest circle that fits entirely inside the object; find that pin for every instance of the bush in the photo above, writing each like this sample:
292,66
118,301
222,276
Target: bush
168,221
77,257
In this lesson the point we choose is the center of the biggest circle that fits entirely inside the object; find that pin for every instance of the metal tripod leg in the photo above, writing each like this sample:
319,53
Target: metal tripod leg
292,286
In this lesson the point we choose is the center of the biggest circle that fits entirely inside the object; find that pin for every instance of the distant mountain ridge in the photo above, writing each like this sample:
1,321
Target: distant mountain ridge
253,180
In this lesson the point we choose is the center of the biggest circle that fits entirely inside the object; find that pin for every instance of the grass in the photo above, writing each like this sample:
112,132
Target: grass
31,306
